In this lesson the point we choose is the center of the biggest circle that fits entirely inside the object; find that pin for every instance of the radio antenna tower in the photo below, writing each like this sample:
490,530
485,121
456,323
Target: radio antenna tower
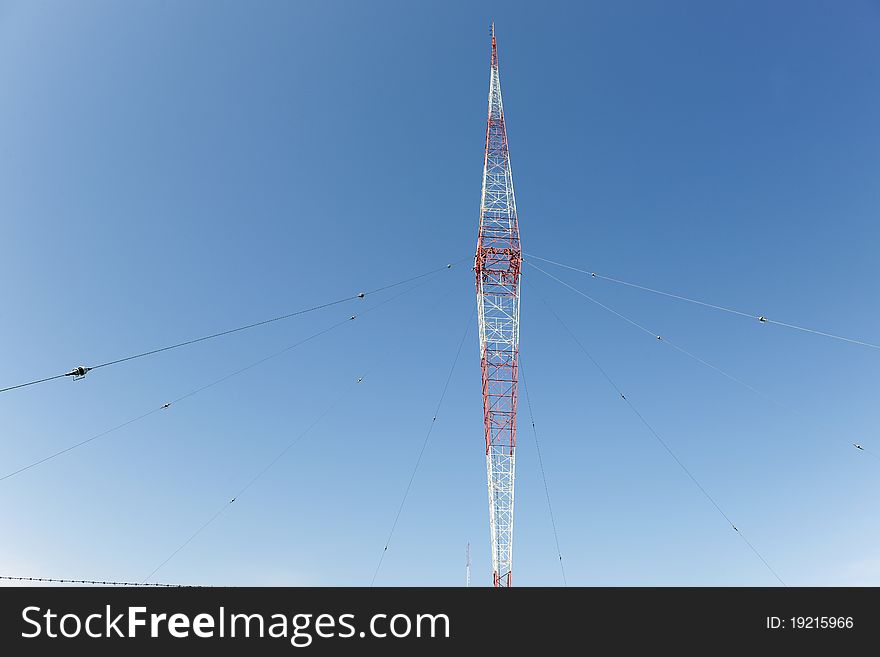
468,565
497,265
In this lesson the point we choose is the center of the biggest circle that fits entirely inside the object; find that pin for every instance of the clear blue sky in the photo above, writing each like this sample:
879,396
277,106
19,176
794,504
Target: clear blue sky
172,169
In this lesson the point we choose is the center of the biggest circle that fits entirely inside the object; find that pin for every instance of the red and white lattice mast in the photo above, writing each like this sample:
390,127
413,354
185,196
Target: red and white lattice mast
497,264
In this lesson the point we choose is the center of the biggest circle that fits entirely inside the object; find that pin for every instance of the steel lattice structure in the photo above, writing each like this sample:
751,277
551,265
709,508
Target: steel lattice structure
497,264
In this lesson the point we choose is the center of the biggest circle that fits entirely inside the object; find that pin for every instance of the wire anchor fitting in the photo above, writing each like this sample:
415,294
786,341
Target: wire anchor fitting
78,372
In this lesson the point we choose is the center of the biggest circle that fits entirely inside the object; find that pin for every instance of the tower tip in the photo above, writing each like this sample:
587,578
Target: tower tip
494,46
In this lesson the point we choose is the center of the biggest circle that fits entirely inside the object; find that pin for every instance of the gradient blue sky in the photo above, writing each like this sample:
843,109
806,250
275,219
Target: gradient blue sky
172,169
